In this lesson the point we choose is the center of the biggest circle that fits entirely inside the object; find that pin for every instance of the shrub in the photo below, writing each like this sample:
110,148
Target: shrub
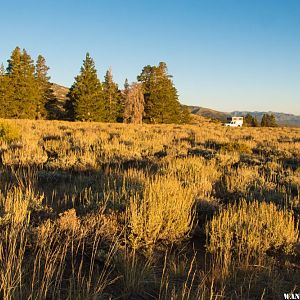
8,132
195,172
236,146
68,221
248,230
164,213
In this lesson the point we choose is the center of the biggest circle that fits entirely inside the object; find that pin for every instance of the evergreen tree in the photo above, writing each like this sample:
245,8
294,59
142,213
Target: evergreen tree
14,75
45,93
134,103
21,72
161,98
28,88
86,97
5,93
263,122
112,99
126,84
254,122
272,121
268,120
250,121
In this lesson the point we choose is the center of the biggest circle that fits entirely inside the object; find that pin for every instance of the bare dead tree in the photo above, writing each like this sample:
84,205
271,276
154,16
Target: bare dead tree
134,104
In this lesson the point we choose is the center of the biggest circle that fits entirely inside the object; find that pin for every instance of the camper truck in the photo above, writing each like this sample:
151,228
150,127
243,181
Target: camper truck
234,122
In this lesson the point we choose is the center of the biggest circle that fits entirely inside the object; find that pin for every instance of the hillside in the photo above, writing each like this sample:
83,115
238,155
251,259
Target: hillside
56,106
209,113
59,91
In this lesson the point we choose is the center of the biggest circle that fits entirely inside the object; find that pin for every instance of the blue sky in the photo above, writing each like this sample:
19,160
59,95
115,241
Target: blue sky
223,54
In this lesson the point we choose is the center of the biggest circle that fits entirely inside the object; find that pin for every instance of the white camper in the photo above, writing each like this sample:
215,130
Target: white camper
234,122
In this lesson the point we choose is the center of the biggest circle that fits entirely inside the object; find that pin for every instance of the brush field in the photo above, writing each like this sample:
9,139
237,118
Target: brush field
121,211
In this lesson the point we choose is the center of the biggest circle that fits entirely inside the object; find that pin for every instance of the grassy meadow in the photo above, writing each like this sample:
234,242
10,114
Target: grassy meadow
123,211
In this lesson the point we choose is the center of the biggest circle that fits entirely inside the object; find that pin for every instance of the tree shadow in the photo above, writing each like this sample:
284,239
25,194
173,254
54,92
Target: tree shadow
55,109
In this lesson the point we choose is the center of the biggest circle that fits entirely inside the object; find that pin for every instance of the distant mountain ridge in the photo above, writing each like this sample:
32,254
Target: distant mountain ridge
281,118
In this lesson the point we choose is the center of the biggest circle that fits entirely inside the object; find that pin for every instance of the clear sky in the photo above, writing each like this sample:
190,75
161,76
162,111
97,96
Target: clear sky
223,54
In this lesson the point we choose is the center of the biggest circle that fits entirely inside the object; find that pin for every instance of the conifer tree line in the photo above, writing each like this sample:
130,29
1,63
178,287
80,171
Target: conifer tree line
26,92
24,87
250,121
268,120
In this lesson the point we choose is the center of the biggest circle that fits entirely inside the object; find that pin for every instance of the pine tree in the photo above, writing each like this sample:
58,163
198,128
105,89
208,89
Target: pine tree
24,98
254,122
248,120
272,121
134,103
112,99
161,97
268,121
45,93
14,75
28,89
147,78
263,122
86,97
5,93
126,84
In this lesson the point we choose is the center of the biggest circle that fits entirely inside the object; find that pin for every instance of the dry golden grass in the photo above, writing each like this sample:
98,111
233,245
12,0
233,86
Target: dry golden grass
110,211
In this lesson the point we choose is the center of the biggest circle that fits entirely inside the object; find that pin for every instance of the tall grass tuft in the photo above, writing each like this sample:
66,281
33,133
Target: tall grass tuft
13,242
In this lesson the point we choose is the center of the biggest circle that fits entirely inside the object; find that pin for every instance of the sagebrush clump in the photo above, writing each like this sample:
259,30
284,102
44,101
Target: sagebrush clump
247,231
9,132
163,213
